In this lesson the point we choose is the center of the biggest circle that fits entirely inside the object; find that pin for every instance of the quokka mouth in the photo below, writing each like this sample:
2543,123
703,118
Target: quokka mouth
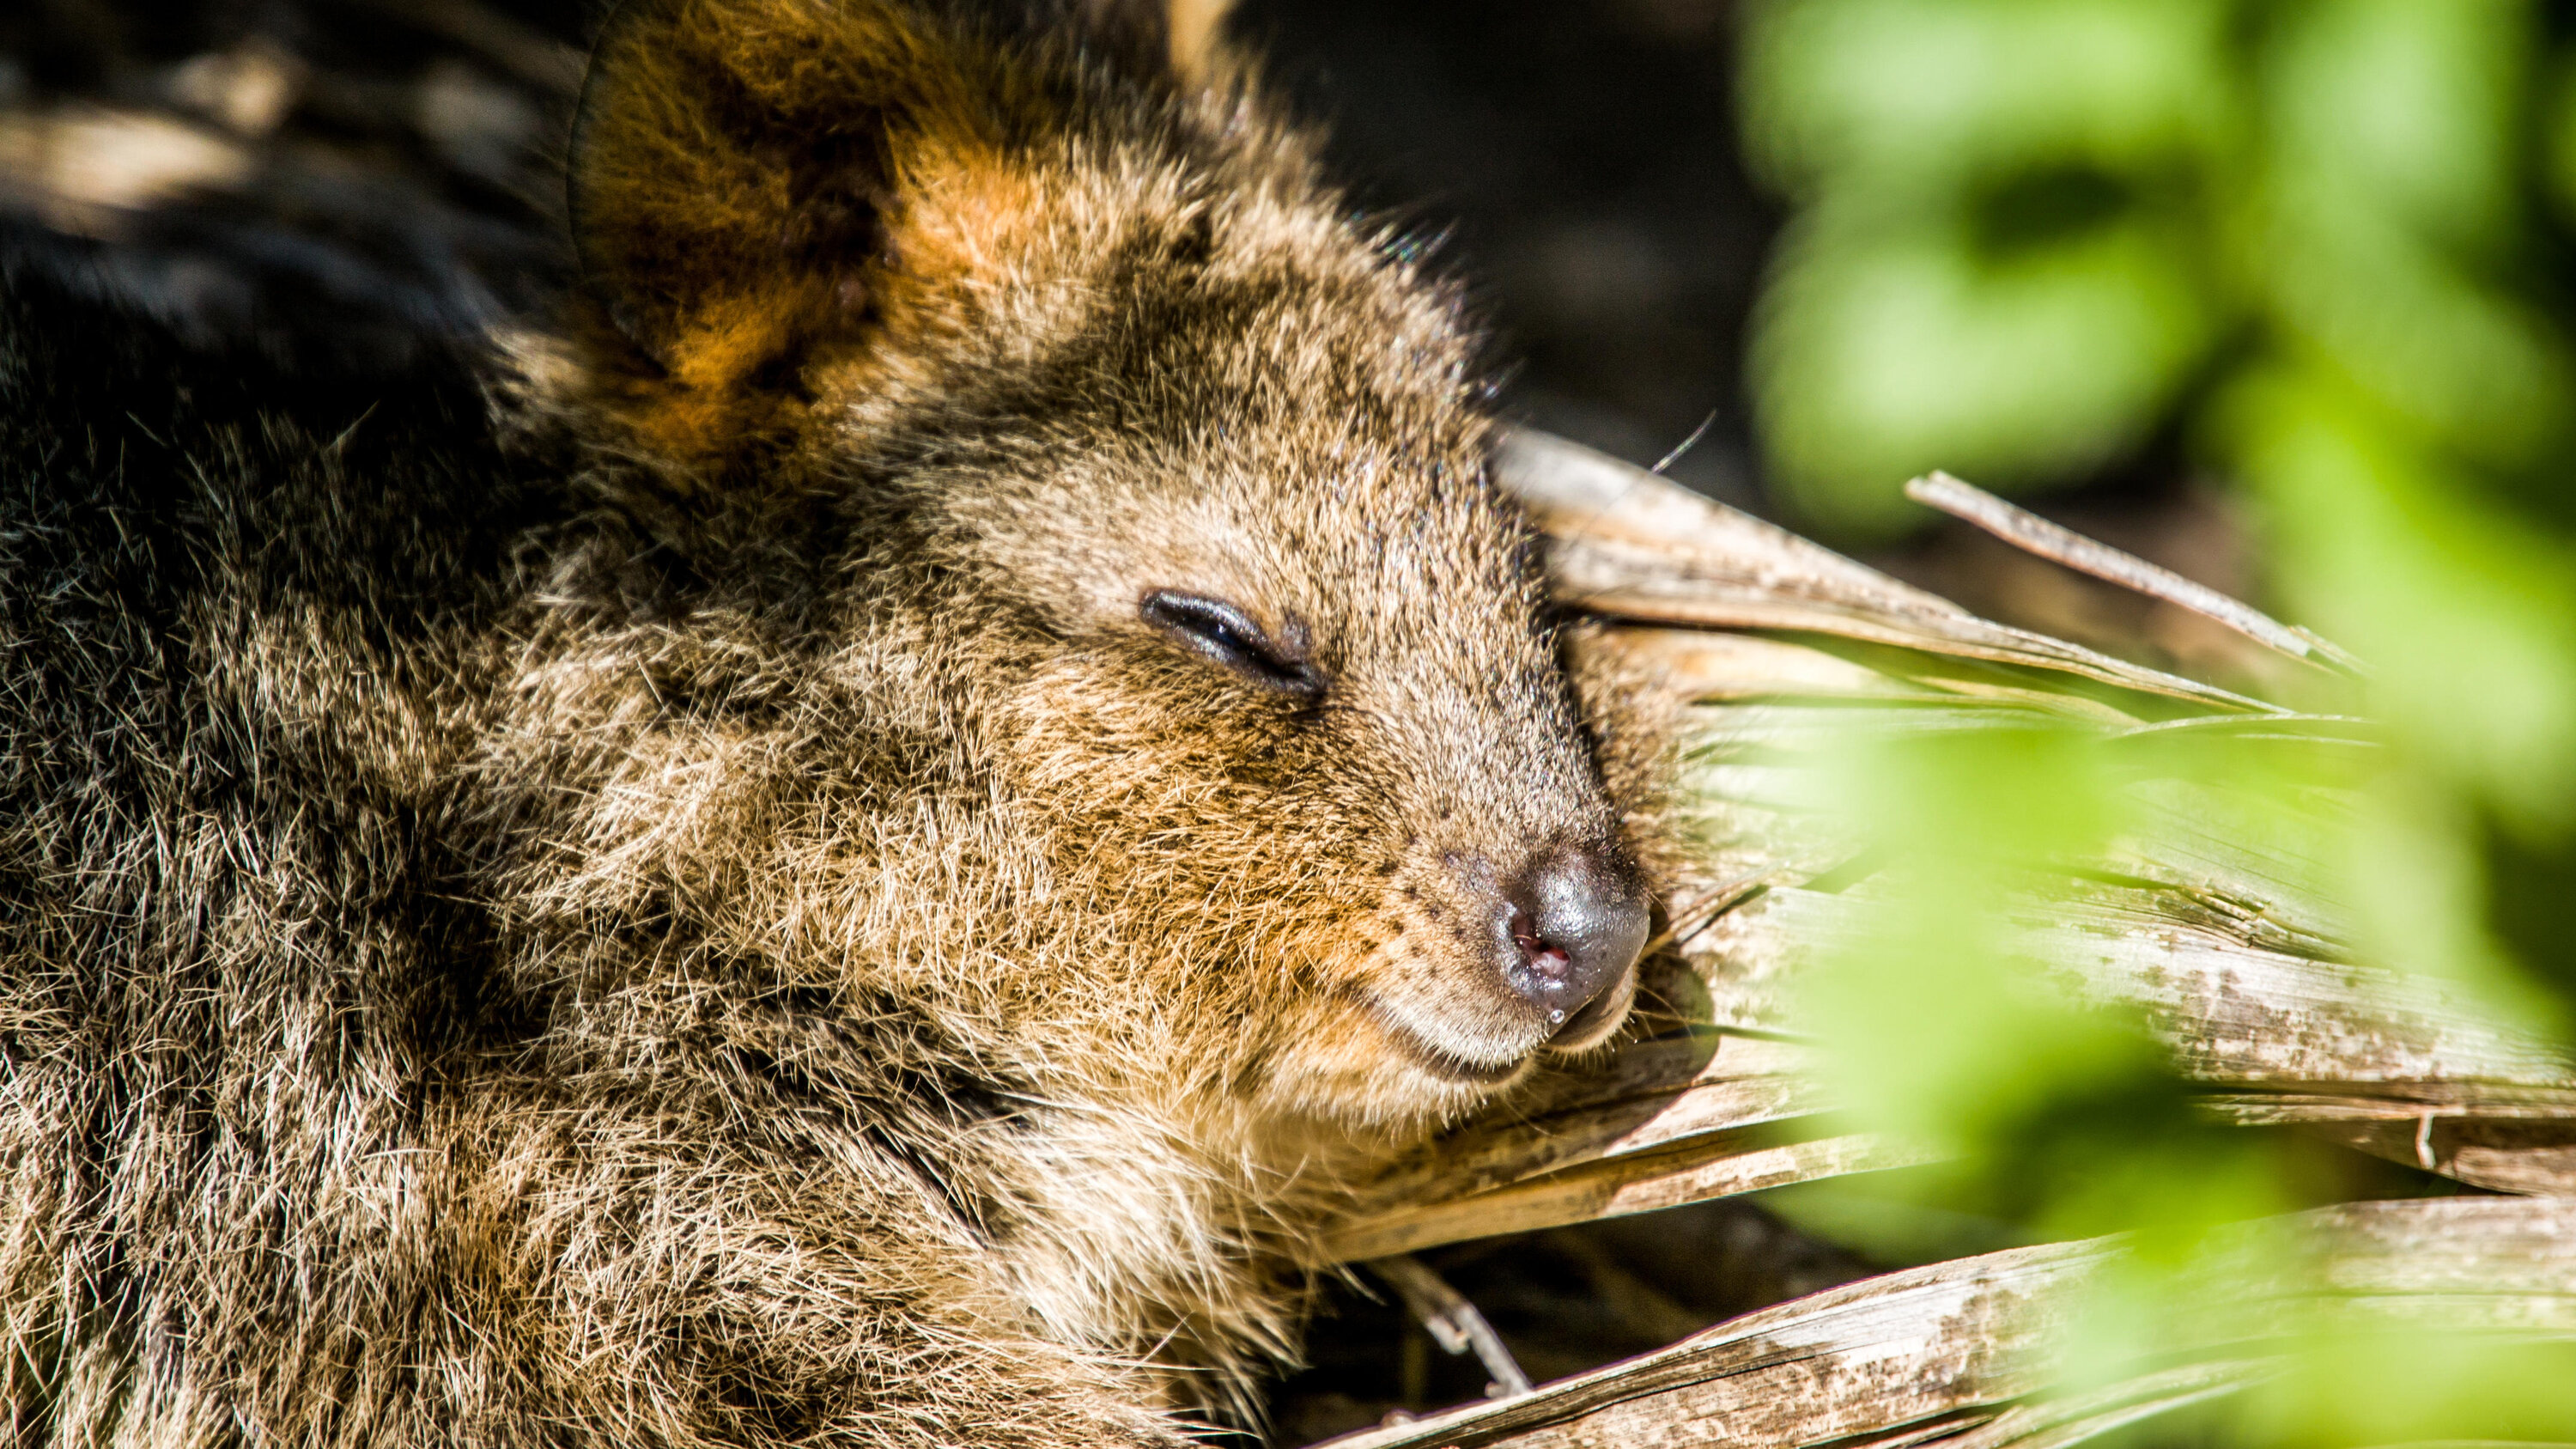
1437,1060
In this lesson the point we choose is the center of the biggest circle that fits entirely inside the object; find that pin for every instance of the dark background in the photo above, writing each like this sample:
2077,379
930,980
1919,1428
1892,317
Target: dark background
1581,162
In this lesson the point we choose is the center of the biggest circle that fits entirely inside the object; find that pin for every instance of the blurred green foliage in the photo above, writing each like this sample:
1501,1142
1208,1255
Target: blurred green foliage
2002,257
2032,235
2321,250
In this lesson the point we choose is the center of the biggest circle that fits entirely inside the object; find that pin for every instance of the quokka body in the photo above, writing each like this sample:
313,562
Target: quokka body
846,844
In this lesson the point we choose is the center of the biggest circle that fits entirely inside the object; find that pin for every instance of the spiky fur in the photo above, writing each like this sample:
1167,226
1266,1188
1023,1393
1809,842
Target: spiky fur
650,887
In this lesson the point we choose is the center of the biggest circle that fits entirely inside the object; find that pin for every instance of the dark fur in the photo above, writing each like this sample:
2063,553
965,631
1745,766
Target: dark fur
652,887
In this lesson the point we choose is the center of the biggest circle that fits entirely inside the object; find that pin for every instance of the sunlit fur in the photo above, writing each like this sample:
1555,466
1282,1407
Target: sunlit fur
687,907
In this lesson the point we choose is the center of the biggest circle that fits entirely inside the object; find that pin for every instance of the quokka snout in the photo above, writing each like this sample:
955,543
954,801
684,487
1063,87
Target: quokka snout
968,743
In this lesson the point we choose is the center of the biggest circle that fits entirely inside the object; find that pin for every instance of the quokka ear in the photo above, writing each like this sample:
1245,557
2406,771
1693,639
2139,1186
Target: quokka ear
733,171
1183,38
739,168
1195,36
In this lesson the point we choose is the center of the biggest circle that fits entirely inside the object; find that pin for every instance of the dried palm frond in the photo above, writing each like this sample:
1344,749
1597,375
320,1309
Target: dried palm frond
2213,920
1964,1353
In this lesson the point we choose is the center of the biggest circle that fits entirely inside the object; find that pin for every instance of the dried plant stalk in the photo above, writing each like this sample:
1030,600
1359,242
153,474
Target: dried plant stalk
2034,534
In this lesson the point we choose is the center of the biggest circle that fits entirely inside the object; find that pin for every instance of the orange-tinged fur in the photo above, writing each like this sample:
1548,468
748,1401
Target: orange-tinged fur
664,890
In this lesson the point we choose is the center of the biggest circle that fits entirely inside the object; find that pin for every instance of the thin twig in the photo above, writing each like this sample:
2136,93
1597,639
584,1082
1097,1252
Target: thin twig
1686,444
1453,1321
2028,531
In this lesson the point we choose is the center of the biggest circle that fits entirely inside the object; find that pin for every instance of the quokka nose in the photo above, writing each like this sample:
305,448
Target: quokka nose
1577,920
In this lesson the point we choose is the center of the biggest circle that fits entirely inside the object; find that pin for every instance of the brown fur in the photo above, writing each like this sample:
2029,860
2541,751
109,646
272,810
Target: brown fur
688,907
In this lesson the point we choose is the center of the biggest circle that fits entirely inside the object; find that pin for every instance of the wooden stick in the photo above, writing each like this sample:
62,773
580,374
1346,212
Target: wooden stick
2031,533
1452,1320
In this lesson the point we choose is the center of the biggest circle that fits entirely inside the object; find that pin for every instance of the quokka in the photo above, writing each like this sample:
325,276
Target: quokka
848,847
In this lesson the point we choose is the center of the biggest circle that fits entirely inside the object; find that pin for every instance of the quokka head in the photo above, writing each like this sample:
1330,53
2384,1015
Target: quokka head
1239,661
